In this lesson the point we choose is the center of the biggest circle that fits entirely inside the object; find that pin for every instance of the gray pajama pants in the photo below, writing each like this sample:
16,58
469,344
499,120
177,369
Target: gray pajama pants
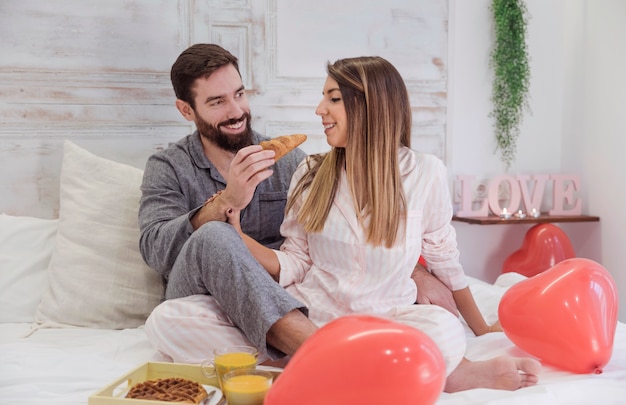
215,261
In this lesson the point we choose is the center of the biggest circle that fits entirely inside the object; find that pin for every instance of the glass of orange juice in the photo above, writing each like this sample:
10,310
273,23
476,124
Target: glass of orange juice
246,387
228,359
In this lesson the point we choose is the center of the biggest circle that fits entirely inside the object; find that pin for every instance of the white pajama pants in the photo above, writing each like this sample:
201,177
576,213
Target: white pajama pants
188,329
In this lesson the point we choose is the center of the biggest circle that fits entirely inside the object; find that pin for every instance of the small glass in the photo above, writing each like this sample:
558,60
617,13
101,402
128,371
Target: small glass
229,359
246,387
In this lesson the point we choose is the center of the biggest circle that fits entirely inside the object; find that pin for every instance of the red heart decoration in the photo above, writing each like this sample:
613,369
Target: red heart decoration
544,246
360,359
565,316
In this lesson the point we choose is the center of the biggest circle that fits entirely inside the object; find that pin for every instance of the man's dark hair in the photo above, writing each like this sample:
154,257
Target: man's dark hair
199,60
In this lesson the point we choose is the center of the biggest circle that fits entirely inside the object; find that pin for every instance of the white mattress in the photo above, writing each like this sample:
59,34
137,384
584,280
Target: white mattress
66,366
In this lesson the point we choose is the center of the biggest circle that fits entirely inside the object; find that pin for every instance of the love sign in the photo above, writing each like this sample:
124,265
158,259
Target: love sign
525,189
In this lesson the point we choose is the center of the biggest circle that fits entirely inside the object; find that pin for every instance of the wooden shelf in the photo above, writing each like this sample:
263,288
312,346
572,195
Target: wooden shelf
495,220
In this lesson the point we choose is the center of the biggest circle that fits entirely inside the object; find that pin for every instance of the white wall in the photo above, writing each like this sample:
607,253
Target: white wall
577,92
604,129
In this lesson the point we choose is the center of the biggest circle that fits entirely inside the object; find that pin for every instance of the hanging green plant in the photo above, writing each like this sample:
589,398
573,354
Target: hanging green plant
510,64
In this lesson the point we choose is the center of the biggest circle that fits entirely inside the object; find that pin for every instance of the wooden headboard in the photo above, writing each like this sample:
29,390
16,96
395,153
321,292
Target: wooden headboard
97,73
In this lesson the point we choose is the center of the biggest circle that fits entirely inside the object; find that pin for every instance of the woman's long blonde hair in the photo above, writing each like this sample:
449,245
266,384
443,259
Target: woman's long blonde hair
379,122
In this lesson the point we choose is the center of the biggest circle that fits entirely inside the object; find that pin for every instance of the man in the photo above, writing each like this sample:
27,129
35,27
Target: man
186,191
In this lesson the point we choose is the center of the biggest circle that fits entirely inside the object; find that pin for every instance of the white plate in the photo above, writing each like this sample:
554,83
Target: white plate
215,398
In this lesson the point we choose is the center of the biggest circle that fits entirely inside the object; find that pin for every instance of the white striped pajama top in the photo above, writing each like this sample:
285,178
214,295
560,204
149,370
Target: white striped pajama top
335,272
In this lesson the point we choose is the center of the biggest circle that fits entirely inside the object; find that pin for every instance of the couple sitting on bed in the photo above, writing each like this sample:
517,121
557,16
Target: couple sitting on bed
356,220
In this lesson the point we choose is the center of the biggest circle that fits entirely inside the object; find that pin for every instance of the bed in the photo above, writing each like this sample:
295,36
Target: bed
75,294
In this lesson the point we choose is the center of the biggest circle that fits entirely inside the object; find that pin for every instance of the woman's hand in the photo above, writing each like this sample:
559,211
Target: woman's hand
496,327
265,256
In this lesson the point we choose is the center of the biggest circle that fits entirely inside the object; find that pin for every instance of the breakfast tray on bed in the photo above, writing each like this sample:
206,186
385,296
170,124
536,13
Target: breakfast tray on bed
115,392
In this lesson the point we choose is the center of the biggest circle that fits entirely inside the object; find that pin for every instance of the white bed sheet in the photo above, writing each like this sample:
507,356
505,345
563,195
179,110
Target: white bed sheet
66,366
555,386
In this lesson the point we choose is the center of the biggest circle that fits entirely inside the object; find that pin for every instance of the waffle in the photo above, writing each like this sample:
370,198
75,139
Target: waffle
170,390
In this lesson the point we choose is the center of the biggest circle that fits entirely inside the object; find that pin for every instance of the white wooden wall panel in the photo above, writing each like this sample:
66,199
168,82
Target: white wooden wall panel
97,72
304,36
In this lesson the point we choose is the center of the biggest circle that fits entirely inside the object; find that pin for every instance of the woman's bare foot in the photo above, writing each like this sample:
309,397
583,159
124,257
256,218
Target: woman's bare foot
503,373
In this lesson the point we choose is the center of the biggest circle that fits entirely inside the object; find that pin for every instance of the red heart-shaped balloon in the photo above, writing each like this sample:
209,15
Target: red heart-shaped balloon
359,359
544,246
565,316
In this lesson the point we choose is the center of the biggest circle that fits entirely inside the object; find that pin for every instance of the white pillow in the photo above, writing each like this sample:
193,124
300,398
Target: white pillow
97,276
25,249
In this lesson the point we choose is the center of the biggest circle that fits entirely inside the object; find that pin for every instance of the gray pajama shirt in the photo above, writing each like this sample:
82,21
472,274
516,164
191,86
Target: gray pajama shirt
214,259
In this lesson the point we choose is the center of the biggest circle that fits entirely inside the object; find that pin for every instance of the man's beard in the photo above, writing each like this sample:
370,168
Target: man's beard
231,143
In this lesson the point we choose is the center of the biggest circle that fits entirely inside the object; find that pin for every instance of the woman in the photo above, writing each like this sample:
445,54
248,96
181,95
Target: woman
359,217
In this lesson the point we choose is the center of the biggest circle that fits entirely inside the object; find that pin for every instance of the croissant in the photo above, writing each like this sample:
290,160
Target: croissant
281,145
